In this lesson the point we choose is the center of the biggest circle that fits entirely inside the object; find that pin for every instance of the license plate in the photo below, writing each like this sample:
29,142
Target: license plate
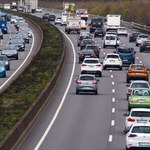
125,60
91,66
86,88
141,121
144,144
138,73
141,100
87,56
112,60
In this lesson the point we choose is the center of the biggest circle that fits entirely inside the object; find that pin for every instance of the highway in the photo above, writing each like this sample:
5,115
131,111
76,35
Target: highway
84,121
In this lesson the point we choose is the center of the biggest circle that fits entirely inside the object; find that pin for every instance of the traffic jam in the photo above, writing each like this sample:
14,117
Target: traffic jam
15,35
109,31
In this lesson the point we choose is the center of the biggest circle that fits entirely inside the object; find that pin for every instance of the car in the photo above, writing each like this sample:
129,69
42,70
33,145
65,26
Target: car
127,54
133,36
86,33
19,43
86,54
25,36
141,37
139,98
10,51
2,69
91,66
13,19
145,46
99,32
137,115
46,16
81,37
1,34
86,83
39,10
84,42
57,20
137,84
122,31
137,137
112,60
96,48
5,59
137,71
110,40
51,18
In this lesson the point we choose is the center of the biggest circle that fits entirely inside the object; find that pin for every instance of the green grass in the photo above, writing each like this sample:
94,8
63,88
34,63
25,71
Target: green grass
17,98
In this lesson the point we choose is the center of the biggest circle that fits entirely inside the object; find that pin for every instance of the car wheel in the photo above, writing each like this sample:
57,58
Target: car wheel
77,92
127,148
104,67
104,46
136,44
129,108
128,80
120,68
100,74
4,75
141,50
96,92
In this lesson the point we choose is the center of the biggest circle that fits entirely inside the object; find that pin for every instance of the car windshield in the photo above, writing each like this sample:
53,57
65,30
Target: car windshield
85,78
138,67
110,38
141,129
91,61
9,47
140,114
125,50
112,56
139,85
143,36
91,47
141,92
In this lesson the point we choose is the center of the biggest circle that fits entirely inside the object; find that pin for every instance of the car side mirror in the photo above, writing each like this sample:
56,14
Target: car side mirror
126,131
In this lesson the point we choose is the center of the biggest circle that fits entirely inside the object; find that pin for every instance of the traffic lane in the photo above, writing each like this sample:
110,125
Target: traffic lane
43,122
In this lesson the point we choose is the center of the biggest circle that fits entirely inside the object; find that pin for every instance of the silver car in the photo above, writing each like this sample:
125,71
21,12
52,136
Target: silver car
86,83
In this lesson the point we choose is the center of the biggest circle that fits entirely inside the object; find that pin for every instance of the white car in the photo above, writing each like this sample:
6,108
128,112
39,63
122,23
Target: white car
39,10
57,20
14,19
141,38
138,136
91,66
137,84
122,31
110,40
112,60
137,115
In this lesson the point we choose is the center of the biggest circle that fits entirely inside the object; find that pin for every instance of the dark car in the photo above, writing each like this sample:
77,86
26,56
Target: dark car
95,23
133,36
95,48
46,16
84,42
80,38
99,32
6,61
51,18
86,54
127,54
145,46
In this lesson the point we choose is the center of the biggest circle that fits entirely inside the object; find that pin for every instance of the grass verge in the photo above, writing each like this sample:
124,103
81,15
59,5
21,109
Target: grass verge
20,95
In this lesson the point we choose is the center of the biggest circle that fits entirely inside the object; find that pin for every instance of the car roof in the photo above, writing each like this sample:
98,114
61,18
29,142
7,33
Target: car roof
112,54
87,75
141,89
140,109
91,59
140,124
137,65
139,81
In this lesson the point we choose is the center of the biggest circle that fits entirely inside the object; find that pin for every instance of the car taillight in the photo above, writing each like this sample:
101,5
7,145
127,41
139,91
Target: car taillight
132,135
81,56
78,82
131,99
129,71
84,65
93,56
94,82
145,71
98,65
130,120
129,91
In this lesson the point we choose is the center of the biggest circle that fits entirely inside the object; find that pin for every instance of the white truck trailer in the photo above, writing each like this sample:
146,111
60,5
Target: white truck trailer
112,22
73,24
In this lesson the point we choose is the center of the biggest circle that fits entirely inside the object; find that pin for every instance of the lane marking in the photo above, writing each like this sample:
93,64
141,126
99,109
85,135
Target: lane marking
104,53
112,122
113,100
110,138
110,70
140,62
113,83
113,90
137,57
10,78
62,100
111,76
113,110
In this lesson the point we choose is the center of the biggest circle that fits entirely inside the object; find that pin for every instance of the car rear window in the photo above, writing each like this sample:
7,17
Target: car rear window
112,56
125,50
110,38
91,61
141,92
85,78
141,129
140,114
91,47
137,67
139,85
143,36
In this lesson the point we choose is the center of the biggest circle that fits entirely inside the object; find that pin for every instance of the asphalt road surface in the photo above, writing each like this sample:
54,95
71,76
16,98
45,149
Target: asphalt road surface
84,121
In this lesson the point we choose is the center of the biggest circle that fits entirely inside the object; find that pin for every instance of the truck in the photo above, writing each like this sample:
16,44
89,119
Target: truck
112,22
64,17
83,13
3,22
73,24
7,6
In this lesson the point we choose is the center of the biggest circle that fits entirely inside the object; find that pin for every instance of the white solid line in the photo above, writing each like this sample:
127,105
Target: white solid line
110,138
112,122
113,83
111,76
113,100
113,110
63,98
20,65
113,90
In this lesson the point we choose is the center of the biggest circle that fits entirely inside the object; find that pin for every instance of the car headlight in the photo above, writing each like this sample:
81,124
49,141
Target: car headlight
6,62
3,25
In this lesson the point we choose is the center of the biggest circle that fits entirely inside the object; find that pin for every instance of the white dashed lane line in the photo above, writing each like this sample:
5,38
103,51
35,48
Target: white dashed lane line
112,122
113,110
140,62
113,82
110,138
111,76
113,90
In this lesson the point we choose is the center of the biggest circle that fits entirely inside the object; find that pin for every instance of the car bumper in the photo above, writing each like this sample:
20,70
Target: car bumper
86,88
137,76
